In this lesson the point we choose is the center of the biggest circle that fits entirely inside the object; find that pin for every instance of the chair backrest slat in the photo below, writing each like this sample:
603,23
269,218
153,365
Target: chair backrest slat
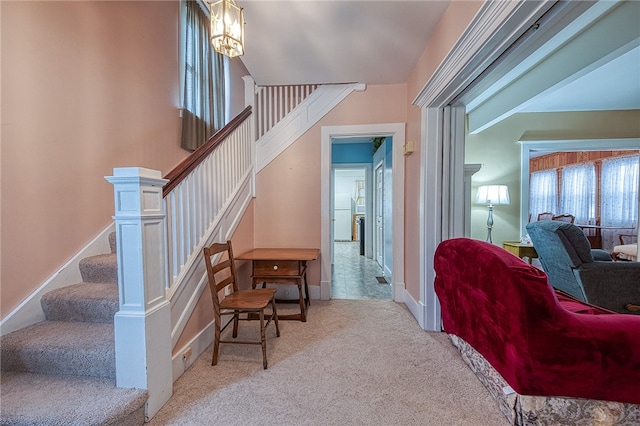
223,268
569,218
545,216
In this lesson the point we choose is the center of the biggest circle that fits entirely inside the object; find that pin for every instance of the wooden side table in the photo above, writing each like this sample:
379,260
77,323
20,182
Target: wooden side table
520,250
283,266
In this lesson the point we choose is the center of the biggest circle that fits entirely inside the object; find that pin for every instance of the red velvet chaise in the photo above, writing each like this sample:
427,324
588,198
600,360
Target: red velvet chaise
541,342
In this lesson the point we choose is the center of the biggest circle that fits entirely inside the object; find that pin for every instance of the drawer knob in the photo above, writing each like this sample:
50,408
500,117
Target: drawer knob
275,267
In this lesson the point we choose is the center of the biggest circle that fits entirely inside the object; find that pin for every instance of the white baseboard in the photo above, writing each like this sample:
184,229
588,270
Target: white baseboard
314,292
416,308
198,345
399,292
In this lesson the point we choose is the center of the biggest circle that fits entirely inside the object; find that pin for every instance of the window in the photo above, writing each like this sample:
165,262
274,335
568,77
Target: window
204,81
543,192
619,189
578,196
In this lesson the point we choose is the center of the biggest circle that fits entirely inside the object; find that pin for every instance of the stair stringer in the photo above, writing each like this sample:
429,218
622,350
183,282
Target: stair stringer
192,280
301,119
30,310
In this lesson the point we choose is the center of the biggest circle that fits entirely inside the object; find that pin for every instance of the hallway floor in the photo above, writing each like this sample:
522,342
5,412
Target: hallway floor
354,276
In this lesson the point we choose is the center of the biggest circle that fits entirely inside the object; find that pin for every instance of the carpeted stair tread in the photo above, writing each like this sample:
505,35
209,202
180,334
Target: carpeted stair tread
85,302
101,268
57,347
35,399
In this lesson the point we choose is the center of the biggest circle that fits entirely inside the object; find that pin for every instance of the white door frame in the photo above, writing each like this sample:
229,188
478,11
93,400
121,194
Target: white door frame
378,213
397,133
495,27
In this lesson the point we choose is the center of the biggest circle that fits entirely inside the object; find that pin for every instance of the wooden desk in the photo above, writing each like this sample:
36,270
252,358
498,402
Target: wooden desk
520,250
282,266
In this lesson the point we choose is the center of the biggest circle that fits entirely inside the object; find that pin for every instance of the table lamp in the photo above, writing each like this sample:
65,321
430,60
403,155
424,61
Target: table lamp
492,195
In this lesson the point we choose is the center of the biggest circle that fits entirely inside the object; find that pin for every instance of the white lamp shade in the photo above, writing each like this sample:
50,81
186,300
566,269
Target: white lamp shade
493,194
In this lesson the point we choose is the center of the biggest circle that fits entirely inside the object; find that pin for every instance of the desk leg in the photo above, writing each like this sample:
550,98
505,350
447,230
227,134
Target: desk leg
306,291
303,305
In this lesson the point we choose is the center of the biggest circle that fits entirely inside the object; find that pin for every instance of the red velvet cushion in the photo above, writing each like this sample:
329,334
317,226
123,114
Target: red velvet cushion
576,306
542,344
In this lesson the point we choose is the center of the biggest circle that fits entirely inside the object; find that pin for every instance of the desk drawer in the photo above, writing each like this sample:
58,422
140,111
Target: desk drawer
276,267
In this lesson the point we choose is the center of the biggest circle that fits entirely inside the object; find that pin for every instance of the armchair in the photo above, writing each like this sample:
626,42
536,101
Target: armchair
589,275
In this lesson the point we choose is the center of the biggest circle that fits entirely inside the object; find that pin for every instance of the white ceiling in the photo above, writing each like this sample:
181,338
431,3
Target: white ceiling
613,86
324,41
586,60
379,42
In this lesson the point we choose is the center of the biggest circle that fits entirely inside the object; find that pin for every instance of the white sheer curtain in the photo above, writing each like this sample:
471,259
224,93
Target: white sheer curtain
543,192
578,195
619,192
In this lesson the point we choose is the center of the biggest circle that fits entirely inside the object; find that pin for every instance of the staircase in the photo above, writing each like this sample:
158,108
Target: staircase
61,371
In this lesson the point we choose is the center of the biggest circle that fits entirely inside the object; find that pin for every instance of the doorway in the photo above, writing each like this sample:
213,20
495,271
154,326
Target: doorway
354,275
396,134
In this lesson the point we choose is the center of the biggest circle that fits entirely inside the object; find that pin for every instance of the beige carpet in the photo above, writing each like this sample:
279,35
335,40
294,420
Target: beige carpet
354,362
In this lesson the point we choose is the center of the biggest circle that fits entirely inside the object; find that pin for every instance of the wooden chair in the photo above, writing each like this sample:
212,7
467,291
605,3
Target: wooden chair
626,239
228,300
545,216
569,218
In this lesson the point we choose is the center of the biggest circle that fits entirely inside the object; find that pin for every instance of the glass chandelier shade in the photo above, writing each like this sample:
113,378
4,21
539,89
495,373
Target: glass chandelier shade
227,28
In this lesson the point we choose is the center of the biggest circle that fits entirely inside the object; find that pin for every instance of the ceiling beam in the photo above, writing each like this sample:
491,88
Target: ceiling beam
614,32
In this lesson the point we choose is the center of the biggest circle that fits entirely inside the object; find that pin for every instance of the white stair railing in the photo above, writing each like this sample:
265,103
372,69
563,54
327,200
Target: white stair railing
273,103
195,203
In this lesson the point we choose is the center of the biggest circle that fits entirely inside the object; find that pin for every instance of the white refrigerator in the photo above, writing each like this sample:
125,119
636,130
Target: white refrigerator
342,217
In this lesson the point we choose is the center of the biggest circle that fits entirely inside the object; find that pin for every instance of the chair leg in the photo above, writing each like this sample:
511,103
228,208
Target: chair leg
216,340
275,316
236,315
263,339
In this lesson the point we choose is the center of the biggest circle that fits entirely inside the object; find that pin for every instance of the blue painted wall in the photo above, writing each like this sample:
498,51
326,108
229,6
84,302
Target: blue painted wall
342,153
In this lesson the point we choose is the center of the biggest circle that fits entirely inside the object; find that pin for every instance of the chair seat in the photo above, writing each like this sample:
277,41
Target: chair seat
249,299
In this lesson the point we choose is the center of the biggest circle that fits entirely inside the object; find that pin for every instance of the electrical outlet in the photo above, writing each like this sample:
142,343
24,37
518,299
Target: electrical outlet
187,354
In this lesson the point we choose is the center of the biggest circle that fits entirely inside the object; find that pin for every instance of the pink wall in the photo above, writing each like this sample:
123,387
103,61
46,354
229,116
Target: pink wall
86,87
237,70
80,99
288,202
453,23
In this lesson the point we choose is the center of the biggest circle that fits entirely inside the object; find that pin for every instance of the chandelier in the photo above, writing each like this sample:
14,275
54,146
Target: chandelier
227,28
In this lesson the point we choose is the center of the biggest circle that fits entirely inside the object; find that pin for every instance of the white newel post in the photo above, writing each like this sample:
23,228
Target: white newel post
143,323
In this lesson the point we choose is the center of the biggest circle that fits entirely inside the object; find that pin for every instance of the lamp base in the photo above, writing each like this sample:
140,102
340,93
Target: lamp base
490,224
